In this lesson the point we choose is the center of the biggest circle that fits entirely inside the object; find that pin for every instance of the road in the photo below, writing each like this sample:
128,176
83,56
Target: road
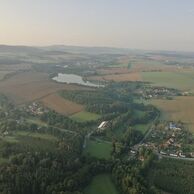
176,158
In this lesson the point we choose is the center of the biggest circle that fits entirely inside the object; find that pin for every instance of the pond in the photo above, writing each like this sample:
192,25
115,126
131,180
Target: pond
74,79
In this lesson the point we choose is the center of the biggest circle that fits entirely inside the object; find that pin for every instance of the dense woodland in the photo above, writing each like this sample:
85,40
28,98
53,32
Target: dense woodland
173,176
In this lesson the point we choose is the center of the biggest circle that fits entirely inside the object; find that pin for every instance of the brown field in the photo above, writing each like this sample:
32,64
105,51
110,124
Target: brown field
31,86
181,108
118,77
61,105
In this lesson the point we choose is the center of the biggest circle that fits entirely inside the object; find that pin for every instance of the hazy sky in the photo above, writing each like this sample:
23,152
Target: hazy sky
144,24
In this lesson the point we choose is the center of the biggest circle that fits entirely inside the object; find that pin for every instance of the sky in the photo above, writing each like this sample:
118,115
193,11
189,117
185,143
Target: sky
135,24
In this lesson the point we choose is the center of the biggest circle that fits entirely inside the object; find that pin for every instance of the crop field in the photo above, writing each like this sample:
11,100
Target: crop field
61,105
101,184
30,86
118,77
149,65
180,108
98,149
84,116
113,70
177,80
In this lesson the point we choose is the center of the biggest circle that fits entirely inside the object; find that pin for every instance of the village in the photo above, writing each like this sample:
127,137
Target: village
156,92
168,139
35,109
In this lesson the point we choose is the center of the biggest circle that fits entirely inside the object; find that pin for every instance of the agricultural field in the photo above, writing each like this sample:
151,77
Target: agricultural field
101,184
84,116
112,70
118,77
178,80
61,105
181,108
99,149
30,86
144,65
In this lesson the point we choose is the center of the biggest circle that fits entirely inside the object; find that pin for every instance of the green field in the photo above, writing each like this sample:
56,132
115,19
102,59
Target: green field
37,121
139,114
101,184
85,116
98,149
177,80
142,127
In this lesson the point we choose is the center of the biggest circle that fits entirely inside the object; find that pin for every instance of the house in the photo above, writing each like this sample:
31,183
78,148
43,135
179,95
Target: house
182,155
174,155
174,127
102,126
133,152
163,153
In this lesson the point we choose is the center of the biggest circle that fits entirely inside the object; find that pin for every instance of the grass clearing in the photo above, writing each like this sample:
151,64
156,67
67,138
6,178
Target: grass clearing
142,127
85,116
36,135
139,114
101,184
37,122
98,149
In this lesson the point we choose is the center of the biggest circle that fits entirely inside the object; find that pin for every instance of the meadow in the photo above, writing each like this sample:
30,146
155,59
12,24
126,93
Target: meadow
101,184
98,149
85,116
142,127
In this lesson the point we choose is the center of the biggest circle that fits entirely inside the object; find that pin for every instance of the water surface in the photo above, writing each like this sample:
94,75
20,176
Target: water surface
74,79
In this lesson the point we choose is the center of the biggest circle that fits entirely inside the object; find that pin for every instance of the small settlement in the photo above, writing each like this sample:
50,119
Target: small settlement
168,139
